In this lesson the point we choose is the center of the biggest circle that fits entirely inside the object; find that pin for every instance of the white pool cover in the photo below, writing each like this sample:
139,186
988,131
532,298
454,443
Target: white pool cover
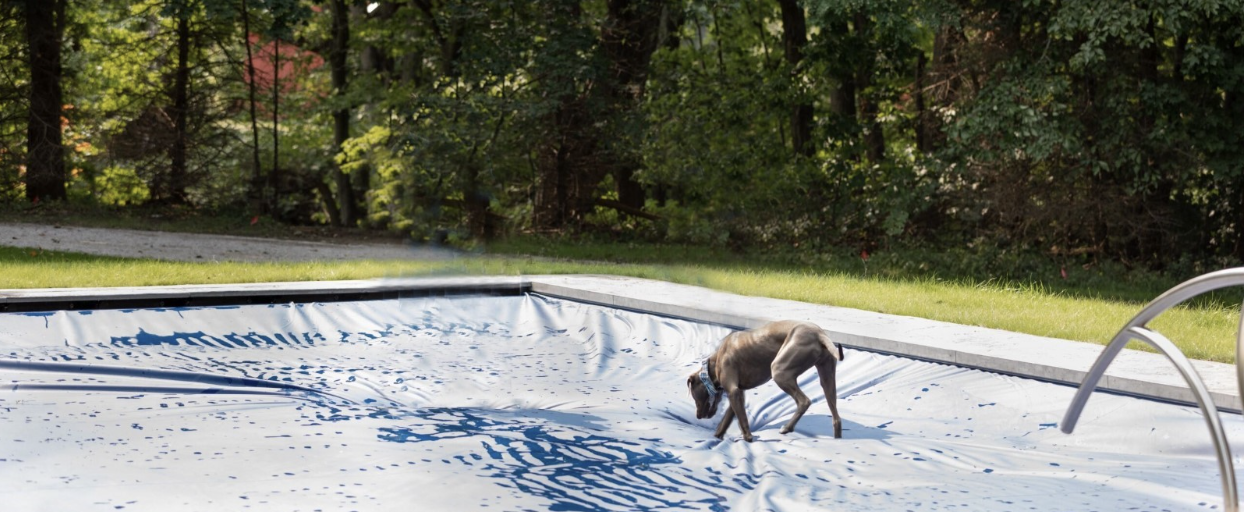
532,403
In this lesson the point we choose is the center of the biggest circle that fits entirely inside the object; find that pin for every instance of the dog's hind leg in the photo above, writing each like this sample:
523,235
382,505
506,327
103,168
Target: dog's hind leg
826,374
786,380
801,350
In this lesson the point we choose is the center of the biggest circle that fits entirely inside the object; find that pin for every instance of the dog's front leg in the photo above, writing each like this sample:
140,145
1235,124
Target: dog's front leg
737,406
726,422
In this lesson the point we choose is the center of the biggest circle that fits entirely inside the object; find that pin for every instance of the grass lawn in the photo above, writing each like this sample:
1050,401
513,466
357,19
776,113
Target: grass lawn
1204,330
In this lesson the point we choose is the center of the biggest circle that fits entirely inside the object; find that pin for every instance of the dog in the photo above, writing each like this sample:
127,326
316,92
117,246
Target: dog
744,360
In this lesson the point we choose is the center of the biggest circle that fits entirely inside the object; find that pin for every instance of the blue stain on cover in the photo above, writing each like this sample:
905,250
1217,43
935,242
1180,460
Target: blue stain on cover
144,338
44,314
38,313
231,340
564,462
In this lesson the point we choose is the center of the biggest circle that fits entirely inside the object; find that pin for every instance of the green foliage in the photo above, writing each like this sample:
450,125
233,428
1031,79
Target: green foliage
119,186
1091,129
1101,121
719,117
14,77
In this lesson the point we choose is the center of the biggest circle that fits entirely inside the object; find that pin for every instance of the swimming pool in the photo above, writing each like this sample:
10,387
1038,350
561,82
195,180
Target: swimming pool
529,402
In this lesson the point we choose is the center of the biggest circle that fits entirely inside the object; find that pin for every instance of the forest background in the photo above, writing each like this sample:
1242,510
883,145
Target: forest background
1077,133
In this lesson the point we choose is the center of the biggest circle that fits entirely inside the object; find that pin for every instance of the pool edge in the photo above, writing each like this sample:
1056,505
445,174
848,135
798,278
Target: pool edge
1054,360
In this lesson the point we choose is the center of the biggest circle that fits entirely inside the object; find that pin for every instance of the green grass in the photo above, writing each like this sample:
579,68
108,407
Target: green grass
981,266
1205,330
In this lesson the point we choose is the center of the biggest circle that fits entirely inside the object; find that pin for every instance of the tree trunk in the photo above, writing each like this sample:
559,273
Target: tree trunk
919,85
477,205
1178,59
794,41
341,117
409,68
629,38
410,64
875,144
475,193
257,180
943,81
843,101
844,98
451,44
330,207
1150,58
45,157
566,145
668,31
181,103
452,48
274,175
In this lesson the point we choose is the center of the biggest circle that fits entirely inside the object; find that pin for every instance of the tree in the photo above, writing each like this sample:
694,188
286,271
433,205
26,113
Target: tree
181,10
596,127
341,116
1085,129
567,164
13,100
256,189
45,153
629,37
1077,134
794,41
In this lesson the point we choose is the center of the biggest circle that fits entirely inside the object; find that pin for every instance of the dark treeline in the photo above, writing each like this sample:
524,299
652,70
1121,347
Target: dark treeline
1098,129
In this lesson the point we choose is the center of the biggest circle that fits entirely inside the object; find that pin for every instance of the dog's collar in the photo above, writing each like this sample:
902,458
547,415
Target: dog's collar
705,378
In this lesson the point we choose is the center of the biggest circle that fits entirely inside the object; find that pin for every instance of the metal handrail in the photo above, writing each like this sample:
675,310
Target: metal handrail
1136,329
1240,396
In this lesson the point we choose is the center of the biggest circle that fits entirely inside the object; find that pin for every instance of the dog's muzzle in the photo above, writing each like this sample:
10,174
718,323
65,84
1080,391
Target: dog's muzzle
713,408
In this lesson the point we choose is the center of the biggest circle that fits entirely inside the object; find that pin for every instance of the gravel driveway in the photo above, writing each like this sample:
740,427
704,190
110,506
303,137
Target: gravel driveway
199,247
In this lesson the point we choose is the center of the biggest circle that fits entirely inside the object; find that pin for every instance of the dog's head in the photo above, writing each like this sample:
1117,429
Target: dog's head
707,406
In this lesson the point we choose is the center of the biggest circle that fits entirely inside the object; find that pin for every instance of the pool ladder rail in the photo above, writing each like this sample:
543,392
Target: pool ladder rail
1137,329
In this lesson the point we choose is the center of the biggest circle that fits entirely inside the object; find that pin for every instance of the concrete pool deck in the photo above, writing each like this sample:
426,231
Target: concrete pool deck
1133,372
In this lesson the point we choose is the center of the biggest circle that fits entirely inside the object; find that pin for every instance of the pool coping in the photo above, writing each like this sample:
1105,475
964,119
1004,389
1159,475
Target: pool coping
1050,359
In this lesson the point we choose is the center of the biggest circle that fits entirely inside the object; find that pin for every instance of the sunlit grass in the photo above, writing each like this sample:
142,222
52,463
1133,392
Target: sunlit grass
1204,331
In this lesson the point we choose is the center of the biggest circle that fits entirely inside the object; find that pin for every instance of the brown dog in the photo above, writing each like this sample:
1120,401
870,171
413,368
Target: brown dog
780,350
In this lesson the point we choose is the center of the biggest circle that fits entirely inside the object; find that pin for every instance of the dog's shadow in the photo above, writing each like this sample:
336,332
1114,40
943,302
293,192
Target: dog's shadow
821,426
811,426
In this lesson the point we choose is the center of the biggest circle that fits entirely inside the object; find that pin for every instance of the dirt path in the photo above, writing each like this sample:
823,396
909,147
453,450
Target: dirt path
199,247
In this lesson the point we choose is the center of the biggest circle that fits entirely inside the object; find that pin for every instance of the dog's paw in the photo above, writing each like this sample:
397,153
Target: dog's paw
785,430
748,437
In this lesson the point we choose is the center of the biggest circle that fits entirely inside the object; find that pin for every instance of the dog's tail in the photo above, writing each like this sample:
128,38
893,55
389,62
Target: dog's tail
834,348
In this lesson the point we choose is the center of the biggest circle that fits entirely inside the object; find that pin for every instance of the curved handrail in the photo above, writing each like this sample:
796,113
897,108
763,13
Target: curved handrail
1241,322
1136,329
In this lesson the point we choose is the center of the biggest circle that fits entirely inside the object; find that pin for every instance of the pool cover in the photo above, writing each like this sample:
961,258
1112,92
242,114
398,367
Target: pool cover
533,403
